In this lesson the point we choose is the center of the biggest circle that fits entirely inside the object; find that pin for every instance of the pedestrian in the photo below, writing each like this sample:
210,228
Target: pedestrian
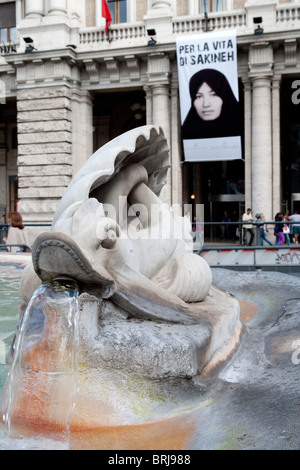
225,228
276,218
295,218
198,233
263,229
279,230
286,229
247,217
17,234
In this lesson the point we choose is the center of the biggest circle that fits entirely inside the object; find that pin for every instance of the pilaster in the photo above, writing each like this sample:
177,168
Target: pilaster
44,150
82,127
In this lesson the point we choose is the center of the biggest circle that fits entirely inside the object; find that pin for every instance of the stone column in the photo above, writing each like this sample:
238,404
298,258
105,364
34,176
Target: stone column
100,21
193,8
160,4
18,11
262,187
277,186
176,166
57,7
158,103
261,61
161,117
248,145
34,8
74,9
148,92
161,107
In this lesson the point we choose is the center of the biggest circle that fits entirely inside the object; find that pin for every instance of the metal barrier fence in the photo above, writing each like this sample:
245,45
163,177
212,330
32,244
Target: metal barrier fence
231,252
4,232
228,232
22,248
278,258
228,251
215,232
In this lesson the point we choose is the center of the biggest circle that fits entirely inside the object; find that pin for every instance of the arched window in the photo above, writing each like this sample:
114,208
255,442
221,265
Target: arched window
118,10
206,6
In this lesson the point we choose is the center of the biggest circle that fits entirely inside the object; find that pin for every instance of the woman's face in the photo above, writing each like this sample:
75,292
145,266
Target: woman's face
208,104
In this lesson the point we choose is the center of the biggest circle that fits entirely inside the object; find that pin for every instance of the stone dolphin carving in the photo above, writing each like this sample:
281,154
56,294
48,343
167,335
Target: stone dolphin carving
142,310
112,233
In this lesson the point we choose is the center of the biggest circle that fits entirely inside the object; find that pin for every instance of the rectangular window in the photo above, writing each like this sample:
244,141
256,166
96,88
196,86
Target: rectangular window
207,6
118,10
7,15
8,35
4,35
8,31
12,34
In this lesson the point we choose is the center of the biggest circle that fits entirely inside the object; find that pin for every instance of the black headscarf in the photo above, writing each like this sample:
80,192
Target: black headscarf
227,123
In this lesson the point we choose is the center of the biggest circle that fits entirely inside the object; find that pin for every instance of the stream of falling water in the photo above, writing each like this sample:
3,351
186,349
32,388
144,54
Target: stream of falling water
55,309
10,391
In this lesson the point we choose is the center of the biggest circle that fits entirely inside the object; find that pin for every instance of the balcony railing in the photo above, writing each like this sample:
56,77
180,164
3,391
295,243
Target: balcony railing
287,13
118,32
219,20
287,16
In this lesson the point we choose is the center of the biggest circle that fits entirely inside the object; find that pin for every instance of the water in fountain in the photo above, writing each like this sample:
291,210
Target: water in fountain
43,372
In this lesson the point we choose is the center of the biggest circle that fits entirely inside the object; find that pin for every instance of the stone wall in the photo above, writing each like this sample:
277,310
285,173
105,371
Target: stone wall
45,150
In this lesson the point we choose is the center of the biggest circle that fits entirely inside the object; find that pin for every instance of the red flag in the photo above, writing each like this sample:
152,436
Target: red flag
106,14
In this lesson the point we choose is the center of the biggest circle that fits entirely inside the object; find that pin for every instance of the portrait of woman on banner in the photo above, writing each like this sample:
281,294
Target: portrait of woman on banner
214,109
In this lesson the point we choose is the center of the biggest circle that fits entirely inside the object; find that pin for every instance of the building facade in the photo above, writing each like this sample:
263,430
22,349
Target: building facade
67,87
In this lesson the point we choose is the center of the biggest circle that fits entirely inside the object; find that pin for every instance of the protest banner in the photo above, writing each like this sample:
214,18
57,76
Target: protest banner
209,96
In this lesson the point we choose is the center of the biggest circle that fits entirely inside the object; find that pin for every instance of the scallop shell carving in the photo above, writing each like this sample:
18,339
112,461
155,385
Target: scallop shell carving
145,145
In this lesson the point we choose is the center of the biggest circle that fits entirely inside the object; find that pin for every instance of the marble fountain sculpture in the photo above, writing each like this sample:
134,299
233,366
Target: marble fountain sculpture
117,312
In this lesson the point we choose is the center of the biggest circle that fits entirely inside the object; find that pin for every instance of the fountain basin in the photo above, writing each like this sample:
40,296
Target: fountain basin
250,402
80,364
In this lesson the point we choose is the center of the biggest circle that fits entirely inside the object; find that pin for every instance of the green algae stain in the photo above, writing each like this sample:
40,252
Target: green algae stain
234,436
